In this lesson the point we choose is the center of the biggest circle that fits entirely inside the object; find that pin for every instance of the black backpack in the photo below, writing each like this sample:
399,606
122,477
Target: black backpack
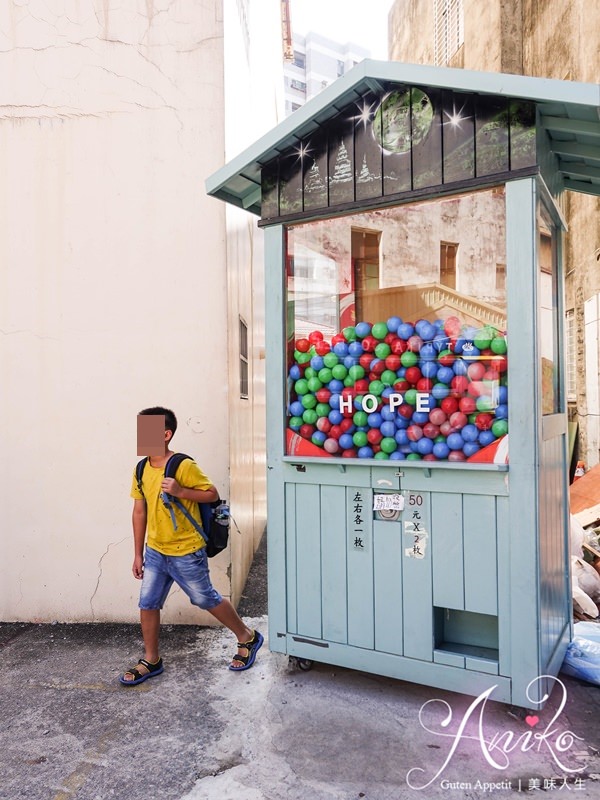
214,516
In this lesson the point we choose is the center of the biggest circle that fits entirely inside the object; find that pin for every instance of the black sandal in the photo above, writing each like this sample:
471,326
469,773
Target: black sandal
139,677
253,646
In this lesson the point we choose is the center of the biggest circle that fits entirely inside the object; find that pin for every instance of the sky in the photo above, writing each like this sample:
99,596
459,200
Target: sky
363,22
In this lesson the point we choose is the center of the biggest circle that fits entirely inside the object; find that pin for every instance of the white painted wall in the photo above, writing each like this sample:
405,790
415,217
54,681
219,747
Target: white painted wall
113,293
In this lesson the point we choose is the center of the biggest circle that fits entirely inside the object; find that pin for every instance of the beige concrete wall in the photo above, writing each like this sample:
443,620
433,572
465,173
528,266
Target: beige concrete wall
113,291
543,38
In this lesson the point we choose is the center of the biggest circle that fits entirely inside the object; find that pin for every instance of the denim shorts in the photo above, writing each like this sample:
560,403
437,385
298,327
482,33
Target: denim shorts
190,572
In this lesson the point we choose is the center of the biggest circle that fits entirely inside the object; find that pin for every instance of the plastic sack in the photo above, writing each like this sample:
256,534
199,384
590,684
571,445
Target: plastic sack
582,659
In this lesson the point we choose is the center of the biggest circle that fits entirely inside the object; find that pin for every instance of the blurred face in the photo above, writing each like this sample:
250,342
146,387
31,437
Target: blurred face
151,435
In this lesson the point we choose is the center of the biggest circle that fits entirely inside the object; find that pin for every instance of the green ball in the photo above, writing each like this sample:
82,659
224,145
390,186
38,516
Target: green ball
349,334
388,444
330,359
296,422
440,438
360,418
339,372
356,372
485,403
500,427
301,358
382,350
376,387
379,331
472,417
308,400
381,456
410,397
348,381
483,338
498,345
360,439
314,384
388,377
323,409
413,457
310,416
409,359
301,386
325,375
309,372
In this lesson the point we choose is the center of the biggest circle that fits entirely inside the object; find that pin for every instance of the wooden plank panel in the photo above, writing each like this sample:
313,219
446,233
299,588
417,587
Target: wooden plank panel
334,589
290,558
417,593
387,564
359,537
308,560
447,550
479,536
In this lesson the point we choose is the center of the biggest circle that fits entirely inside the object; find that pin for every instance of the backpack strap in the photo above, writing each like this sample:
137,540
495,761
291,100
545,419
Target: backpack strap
139,471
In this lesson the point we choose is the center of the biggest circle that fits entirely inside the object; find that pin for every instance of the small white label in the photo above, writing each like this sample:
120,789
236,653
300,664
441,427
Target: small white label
388,502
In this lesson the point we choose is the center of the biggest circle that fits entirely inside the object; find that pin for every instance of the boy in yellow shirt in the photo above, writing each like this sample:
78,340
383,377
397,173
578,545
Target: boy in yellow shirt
174,555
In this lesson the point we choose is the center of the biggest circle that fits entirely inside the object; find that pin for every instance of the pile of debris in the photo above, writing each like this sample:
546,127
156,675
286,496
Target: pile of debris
585,545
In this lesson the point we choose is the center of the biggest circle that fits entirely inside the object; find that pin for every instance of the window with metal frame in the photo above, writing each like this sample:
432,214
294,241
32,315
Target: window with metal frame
448,29
571,347
244,366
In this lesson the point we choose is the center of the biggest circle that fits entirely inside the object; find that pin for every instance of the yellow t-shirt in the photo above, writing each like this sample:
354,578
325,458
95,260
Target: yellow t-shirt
159,527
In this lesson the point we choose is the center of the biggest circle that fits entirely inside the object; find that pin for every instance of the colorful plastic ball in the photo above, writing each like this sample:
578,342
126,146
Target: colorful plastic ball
309,372
455,441
382,350
470,352
429,369
498,345
456,455
414,433
340,349
355,349
397,455
405,330
427,331
339,337
458,420
365,452
318,438
296,409
449,405
315,336
459,385
460,367
379,330
322,347
314,384
306,431
393,323
388,377
323,396
484,403
295,423
406,410
470,433
502,394
452,326
303,345
347,425
446,428
430,431
398,346
317,363
500,427
301,386
437,416
360,418
369,343
331,446
415,343
483,338
376,387
378,367
339,372
499,363
388,444
486,437
335,416
440,391
424,385
335,432
374,436
446,358
424,446
413,457
295,372
467,405
362,329
374,420
409,359
401,437
420,417
388,414
346,441
350,453
335,386
322,410
349,333
330,359
325,375
502,411
310,416
445,375
301,358
440,342
359,438
387,428
441,450
402,422
476,371
356,372
470,449
428,352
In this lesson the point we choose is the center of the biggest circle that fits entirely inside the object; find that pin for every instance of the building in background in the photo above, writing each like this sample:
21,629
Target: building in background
317,62
125,286
558,39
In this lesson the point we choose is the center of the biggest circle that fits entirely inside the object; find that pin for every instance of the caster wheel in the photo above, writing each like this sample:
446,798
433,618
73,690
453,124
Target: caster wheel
305,664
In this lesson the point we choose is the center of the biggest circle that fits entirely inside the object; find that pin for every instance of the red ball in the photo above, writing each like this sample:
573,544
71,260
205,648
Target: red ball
446,428
361,386
429,457
452,326
412,375
484,421
323,424
322,348
337,339
424,385
306,431
376,448
378,368
365,360
491,375
351,453
500,363
315,336
458,420
437,416
346,424
447,359
323,395
476,388
467,405
389,338
401,386
458,385
456,455
303,345
449,405
414,432
406,411
374,436
415,343
476,371
399,346
393,362
430,430
335,431
369,343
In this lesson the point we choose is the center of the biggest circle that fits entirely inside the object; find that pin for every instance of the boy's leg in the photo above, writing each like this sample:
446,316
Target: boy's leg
228,616
150,622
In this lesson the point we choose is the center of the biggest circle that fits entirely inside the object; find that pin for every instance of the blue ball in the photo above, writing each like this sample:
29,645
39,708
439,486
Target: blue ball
420,417
401,422
335,386
387,414
424,446
355,349
445,374
402,438
350,361
470,433
440,390
470,352
317,363
295,372
428,352
340,349
471,448
455,441
486,437
429,369
297,409
335,417
502,411
397,455
393,323
374,420
460,367
414,447
387,428
334,401
388,391
458,347
365,452
362,329
441,450
358,402
426,331
441,341
405,330
345,441
503,394
318,438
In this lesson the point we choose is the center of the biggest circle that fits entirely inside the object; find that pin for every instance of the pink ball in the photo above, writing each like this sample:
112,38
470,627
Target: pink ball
437,416
323,424
458,420
414,433
446,428
430,430
476,371
331,445
456,455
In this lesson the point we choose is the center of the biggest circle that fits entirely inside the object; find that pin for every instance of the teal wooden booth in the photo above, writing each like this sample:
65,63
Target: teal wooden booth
416,453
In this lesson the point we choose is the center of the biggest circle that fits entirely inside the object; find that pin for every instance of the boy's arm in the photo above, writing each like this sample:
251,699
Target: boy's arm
171,486
138,519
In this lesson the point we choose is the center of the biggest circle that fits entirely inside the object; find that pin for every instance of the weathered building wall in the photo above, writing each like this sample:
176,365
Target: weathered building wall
542,38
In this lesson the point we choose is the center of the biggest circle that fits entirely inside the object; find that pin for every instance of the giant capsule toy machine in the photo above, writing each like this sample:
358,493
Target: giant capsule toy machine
416,452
